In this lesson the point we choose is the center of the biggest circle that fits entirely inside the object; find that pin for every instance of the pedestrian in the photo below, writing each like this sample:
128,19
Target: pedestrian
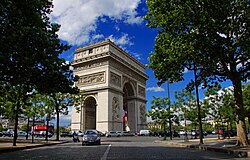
219,133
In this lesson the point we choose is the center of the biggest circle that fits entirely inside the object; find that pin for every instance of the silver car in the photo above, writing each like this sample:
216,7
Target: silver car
91,137
112,134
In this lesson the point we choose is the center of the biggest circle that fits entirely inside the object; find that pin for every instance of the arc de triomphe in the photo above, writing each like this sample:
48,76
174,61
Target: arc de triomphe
114,88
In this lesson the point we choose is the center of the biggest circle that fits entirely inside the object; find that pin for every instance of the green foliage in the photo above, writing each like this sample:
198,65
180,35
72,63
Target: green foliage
1,127
222,106
23,128
29,54
63,129
161,111
60,103
202,33
246,97
212,37
78,100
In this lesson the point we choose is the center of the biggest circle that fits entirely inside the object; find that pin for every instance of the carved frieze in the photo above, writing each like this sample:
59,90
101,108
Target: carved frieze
143,113
141,91
91,79
115,109
127,71
89,66
115,79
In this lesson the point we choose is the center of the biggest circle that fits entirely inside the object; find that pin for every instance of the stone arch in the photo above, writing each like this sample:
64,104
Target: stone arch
112,80
89,113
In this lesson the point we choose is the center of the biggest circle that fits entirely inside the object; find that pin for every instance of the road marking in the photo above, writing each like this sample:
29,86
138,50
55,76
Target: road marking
105,155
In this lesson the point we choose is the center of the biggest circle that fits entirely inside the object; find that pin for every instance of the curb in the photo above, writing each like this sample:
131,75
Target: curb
12,149
238,153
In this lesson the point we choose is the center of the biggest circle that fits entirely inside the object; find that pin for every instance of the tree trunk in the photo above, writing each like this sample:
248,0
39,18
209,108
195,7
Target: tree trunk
198,107
33,125
47,126
57,123
240,116
185,127
16,123
27,130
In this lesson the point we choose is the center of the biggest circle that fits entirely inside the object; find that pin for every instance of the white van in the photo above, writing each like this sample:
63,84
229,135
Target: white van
144,132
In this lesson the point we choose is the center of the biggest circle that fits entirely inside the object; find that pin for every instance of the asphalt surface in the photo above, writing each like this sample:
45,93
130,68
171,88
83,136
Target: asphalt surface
124,148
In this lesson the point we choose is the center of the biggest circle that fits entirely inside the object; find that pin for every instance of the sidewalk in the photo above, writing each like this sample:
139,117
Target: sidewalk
212,144
6,145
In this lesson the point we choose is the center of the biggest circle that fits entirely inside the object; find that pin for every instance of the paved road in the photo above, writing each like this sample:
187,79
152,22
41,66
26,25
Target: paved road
117,148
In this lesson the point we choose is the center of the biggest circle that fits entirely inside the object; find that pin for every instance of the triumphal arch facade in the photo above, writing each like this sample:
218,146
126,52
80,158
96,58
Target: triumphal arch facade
114,89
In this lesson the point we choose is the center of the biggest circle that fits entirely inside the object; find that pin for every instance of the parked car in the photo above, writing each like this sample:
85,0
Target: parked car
144,132
65,134
112,134
214,132
78,132
22,134
6,134
101,133
194,133
127,133
229,133
91,137
182,132
43,134
11,132
174,134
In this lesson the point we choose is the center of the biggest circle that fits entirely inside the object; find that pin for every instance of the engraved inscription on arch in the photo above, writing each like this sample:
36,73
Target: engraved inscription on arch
90,79
115,79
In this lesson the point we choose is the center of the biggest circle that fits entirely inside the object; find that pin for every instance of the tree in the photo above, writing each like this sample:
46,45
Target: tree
184,107
60,103
160,112
246,100
29,50
34,109
210,36
221,106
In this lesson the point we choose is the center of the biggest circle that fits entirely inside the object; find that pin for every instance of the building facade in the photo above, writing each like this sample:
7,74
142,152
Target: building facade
114,89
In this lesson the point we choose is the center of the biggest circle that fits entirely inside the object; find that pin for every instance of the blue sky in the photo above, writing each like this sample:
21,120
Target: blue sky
87,21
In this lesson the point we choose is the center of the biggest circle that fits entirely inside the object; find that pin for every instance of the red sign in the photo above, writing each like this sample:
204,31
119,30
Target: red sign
39,127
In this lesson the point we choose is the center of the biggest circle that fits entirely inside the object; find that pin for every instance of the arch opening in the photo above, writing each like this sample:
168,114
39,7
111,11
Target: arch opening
128,107
89,113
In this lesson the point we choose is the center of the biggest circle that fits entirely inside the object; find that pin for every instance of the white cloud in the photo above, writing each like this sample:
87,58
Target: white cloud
122,41
149,119
65,120
78,18
98,36
185,70
137,56
117,28
156,89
